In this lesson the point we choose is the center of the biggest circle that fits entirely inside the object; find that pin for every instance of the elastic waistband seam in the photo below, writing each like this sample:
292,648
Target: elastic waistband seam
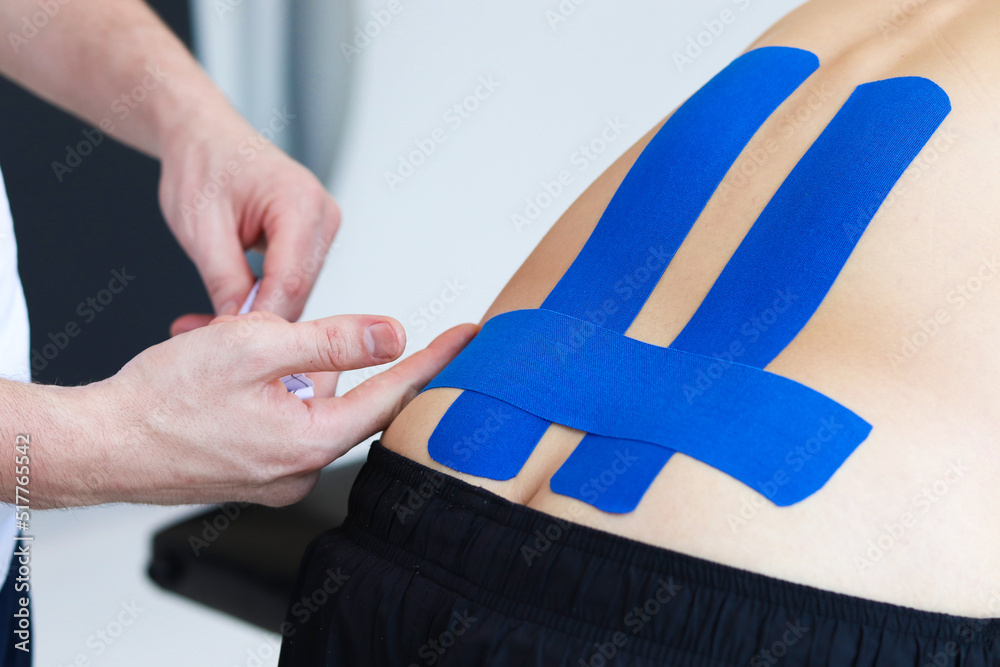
360,533
688,564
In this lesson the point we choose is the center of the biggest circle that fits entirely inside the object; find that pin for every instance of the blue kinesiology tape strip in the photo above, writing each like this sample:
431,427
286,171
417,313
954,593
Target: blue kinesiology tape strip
791,256
572,372
636,237
788,261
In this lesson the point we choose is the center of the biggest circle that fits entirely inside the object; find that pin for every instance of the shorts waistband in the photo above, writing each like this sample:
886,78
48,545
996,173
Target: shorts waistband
532,565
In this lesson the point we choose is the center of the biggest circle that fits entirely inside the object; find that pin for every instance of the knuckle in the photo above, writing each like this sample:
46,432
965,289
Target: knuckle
295,286
254,351
266,316
334,349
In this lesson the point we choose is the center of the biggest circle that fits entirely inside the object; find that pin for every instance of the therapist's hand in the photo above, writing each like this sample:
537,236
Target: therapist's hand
226,188
204,417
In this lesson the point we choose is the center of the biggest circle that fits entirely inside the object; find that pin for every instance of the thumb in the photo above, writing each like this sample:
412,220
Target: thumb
369,407
337,343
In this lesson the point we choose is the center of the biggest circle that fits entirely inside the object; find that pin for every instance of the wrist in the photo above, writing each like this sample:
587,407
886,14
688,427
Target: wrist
72,462
197,117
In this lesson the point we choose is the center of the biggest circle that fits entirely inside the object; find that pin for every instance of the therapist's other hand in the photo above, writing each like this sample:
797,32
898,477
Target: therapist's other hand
204,416
225,192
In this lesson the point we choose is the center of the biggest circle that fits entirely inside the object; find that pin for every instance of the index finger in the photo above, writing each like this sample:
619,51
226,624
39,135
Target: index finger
294,257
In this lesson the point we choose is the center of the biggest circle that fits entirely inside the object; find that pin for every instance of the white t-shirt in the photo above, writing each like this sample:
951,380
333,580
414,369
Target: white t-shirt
14,352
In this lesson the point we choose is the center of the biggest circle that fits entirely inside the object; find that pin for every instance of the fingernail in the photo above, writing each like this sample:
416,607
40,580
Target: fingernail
381,341
228,308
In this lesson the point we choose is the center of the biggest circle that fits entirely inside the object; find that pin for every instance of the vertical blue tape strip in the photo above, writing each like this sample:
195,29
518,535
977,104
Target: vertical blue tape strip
790,258
637,236
787,263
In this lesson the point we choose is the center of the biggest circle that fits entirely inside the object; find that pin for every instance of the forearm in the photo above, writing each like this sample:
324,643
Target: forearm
58,429
116,65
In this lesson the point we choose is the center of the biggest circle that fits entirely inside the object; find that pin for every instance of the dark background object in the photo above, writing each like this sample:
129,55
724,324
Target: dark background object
102,216
246,564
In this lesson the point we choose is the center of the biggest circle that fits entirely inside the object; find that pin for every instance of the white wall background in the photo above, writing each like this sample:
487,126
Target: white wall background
450,221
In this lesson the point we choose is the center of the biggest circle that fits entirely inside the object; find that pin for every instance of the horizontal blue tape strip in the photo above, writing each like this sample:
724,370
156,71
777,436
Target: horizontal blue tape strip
638,234
571,372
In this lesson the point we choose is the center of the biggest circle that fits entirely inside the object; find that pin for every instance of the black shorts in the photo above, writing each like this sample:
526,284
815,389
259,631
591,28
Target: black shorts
429,570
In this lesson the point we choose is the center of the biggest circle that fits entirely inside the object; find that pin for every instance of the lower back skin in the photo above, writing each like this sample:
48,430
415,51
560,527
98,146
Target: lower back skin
906,337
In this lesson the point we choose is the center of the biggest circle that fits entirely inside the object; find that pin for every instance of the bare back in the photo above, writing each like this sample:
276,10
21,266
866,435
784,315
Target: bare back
907,335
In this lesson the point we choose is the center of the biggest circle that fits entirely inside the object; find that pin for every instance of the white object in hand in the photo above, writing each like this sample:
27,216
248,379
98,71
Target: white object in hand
297,383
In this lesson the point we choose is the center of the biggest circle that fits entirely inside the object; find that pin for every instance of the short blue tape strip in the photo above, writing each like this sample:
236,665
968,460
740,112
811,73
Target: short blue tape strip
637,236
787,263
590,378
